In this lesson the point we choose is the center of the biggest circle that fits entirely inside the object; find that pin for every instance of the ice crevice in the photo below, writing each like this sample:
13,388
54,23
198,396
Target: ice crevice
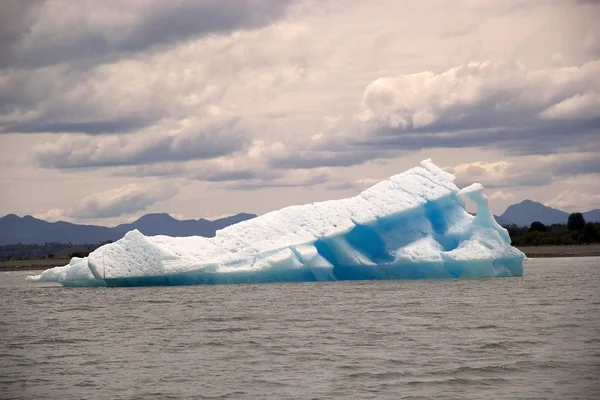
413,225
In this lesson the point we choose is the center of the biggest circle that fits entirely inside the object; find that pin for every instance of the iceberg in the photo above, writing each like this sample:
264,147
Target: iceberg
413,225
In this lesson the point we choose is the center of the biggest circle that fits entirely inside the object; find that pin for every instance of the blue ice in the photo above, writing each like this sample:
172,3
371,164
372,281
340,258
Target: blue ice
413,225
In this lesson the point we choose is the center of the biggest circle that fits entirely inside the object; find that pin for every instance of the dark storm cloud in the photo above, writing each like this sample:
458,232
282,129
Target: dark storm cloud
68,35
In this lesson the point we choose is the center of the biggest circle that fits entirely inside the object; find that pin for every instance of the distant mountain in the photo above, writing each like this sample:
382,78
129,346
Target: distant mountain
502,221
592,215
528,211
30,230
164,224
234,219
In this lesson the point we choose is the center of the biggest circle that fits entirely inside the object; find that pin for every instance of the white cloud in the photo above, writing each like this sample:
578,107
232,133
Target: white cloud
292,178
500,195
573,200
52,215
526,171
480,95
181,140
585,105
501,174
128,199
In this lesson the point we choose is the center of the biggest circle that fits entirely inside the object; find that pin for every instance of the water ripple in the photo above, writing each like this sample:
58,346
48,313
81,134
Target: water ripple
532,337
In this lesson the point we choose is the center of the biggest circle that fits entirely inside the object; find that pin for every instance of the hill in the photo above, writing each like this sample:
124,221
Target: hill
528,211
502,221
30,230
592,215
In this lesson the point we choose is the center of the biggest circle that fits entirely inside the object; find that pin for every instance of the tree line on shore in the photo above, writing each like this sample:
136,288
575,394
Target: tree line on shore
48,250
576,231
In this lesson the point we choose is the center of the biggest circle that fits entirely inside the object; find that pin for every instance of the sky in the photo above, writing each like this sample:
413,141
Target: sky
113,109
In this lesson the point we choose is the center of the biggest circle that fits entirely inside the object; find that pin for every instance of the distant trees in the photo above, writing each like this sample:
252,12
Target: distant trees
537,226
576,222
79,254
590,233
47,250
538,234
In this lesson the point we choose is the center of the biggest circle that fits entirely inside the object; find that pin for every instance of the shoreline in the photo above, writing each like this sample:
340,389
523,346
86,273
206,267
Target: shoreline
32,265
588,250
576,250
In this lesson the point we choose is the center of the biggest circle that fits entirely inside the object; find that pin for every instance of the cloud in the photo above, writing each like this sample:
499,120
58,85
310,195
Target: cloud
335,146
246,165
586,105
586,164
247,169
278,70
526,171
500,195
50,32
501,104
251,170
344,157
183,140
358,185
128,199
52,215
500,174
341,186
123,125
129,91
264,89
163,169
295,178
575,201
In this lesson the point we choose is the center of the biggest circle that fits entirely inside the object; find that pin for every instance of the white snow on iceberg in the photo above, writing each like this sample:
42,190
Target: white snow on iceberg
411,226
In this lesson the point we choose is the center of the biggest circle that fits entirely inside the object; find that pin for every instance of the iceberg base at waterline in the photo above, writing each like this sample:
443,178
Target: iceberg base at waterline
413,225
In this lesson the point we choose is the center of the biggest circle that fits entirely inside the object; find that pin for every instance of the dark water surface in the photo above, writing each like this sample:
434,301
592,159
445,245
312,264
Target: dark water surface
533,337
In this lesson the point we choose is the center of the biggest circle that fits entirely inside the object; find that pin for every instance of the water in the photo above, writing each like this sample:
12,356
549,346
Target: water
537,337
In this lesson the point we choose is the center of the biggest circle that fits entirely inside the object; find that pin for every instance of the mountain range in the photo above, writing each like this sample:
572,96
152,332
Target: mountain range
528,211
30,230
